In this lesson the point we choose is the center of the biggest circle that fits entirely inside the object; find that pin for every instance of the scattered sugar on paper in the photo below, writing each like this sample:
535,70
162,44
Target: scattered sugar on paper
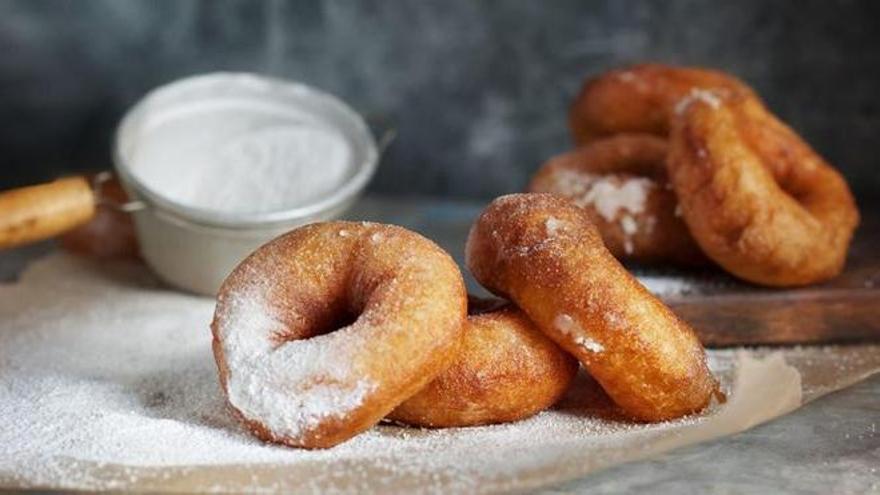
104,370
98,371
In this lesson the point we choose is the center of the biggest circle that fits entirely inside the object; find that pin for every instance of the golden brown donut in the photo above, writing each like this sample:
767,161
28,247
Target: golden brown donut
323,331
506,370
620,181
544,254
641,98
758,200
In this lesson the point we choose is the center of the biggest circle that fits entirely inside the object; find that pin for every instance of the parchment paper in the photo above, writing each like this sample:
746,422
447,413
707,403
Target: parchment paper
63,307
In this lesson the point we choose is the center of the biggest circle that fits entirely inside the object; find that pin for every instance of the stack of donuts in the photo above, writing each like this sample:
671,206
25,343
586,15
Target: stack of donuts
688,166
334,327
337,326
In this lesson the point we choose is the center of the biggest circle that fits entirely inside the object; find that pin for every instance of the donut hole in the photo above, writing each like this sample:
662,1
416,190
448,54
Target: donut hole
335,321
322,321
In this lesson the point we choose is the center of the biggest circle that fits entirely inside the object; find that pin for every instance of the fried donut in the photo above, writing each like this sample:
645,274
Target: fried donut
620,181
641,98
506,370
758,200
323,331
544,254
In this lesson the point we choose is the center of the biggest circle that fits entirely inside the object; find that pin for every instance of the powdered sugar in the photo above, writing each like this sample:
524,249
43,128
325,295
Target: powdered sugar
614,198
238,158
626,76
553,225
706,96
292,388
667,286
566,324
609,195
108,383
628,224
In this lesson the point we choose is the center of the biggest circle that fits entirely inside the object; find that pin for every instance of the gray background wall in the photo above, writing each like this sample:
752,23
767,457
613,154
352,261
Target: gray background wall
478,90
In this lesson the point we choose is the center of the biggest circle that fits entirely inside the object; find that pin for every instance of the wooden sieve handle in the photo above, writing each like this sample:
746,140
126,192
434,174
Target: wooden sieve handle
35,213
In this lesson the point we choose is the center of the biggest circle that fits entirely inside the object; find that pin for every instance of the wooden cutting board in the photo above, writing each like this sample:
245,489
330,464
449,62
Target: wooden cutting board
845,310
809,317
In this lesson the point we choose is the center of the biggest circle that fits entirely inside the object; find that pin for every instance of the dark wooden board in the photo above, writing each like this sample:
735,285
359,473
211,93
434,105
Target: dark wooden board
834,316
844,310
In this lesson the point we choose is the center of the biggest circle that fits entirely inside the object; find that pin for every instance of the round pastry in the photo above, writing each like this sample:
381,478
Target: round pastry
641,98
506,370
109,234
620,181
323,331
544,254
758,200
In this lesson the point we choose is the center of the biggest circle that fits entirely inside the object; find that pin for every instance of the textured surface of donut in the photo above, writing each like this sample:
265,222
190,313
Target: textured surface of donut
543,253
641,98
323,331
757,198
620,181
506,370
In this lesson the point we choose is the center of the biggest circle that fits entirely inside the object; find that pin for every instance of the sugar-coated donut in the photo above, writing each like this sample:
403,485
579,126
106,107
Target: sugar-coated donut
543,253
758,200
641,98
620,181
323,331
506,370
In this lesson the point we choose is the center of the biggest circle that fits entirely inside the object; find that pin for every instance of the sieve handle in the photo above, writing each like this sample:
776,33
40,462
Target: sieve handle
35,213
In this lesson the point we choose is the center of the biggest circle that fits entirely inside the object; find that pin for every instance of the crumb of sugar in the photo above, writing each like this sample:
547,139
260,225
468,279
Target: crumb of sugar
706,96
614,319
553,225
610,198
566,324
626,76
666,286
628,224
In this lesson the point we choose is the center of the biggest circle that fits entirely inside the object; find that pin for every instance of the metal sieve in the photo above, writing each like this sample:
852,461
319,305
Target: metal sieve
192,248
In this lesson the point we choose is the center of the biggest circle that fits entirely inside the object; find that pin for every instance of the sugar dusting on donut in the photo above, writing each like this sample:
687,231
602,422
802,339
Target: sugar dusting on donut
630,77
609,195
711,97
262,376
614,198
553,225
568,326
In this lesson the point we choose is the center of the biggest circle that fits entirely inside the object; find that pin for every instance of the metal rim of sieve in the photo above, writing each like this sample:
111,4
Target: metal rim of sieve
145,198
